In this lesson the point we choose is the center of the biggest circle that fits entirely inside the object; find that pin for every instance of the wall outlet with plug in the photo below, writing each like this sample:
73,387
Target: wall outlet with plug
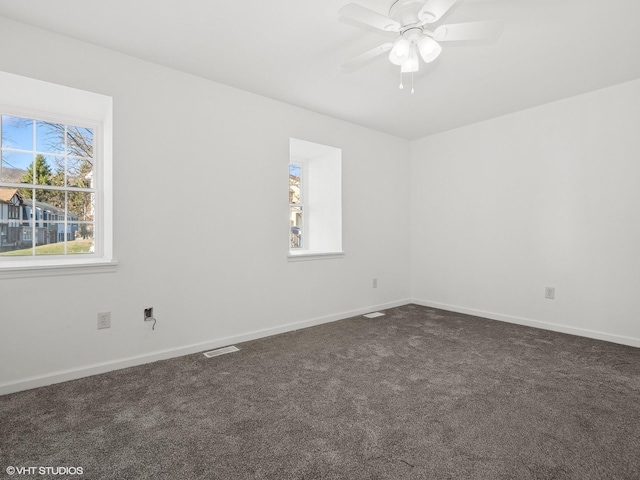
148,317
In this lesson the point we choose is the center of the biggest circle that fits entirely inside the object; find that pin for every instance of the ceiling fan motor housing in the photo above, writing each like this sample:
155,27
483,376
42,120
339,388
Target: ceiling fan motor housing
405,12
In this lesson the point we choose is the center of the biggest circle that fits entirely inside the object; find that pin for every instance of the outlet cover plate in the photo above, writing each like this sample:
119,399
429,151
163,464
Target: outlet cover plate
104,320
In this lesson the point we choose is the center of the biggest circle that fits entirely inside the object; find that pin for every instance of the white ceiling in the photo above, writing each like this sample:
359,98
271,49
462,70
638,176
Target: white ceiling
291,50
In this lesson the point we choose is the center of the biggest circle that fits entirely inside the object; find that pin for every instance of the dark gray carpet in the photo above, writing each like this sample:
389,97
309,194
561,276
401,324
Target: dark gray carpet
418,393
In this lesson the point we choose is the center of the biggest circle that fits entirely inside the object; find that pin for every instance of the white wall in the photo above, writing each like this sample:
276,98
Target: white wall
546,197
201,222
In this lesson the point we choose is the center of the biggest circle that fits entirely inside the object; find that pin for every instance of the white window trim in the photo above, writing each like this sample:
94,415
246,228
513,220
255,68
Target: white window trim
26,97
68,268
305,256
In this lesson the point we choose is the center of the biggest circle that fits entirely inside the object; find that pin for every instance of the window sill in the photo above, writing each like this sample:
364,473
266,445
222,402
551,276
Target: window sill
303,256
49,269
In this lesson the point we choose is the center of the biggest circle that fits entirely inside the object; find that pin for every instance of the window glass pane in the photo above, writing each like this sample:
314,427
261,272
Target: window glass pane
82,243
296,216
80,207
79,141
11,227
49,137
17,132
47,171
294,183
294,172
294,194
296,238
48,203
80,172
296,227
17,239
83,239
52,200
16,167
47,238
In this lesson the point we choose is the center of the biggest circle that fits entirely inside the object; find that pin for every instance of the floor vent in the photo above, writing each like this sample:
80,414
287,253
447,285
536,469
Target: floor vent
374,315
220,351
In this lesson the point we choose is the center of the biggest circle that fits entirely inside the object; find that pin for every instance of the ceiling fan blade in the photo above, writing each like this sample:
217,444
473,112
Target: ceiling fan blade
362,59
433,10
361,14
487,30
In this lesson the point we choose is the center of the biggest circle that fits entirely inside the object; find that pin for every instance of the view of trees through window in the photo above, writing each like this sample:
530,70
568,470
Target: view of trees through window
46,188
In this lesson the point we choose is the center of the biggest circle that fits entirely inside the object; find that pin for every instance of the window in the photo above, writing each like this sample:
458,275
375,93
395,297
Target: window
296,206
48,167
56,175
315,200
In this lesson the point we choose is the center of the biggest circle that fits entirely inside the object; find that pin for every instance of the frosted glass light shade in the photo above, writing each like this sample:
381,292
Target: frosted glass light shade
429,48
400,51
412,64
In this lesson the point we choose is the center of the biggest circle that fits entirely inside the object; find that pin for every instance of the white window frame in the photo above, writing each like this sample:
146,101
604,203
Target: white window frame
30,98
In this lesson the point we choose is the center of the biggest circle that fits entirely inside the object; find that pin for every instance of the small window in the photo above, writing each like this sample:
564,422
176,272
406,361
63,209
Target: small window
14,212
296,206
315,199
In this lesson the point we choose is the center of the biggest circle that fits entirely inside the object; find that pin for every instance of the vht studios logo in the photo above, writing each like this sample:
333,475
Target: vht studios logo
44,470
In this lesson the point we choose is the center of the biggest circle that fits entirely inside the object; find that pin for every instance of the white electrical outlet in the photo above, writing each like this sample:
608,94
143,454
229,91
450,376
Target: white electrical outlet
550,293
104,320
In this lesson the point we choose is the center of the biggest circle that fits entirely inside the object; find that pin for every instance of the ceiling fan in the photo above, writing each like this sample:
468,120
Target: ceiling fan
411,21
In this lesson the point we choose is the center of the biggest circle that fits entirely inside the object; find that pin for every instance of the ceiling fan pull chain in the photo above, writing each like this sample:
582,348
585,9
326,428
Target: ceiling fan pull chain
401,86
412,89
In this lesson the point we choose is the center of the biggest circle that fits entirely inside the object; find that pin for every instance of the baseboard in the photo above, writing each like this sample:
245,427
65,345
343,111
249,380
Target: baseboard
555,327
95,369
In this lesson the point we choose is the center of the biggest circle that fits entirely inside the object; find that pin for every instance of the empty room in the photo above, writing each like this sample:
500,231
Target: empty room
449,291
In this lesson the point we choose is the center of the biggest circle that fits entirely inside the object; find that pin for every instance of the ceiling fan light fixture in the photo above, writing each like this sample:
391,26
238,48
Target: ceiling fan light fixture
429,48
400,52
411,20
412,64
